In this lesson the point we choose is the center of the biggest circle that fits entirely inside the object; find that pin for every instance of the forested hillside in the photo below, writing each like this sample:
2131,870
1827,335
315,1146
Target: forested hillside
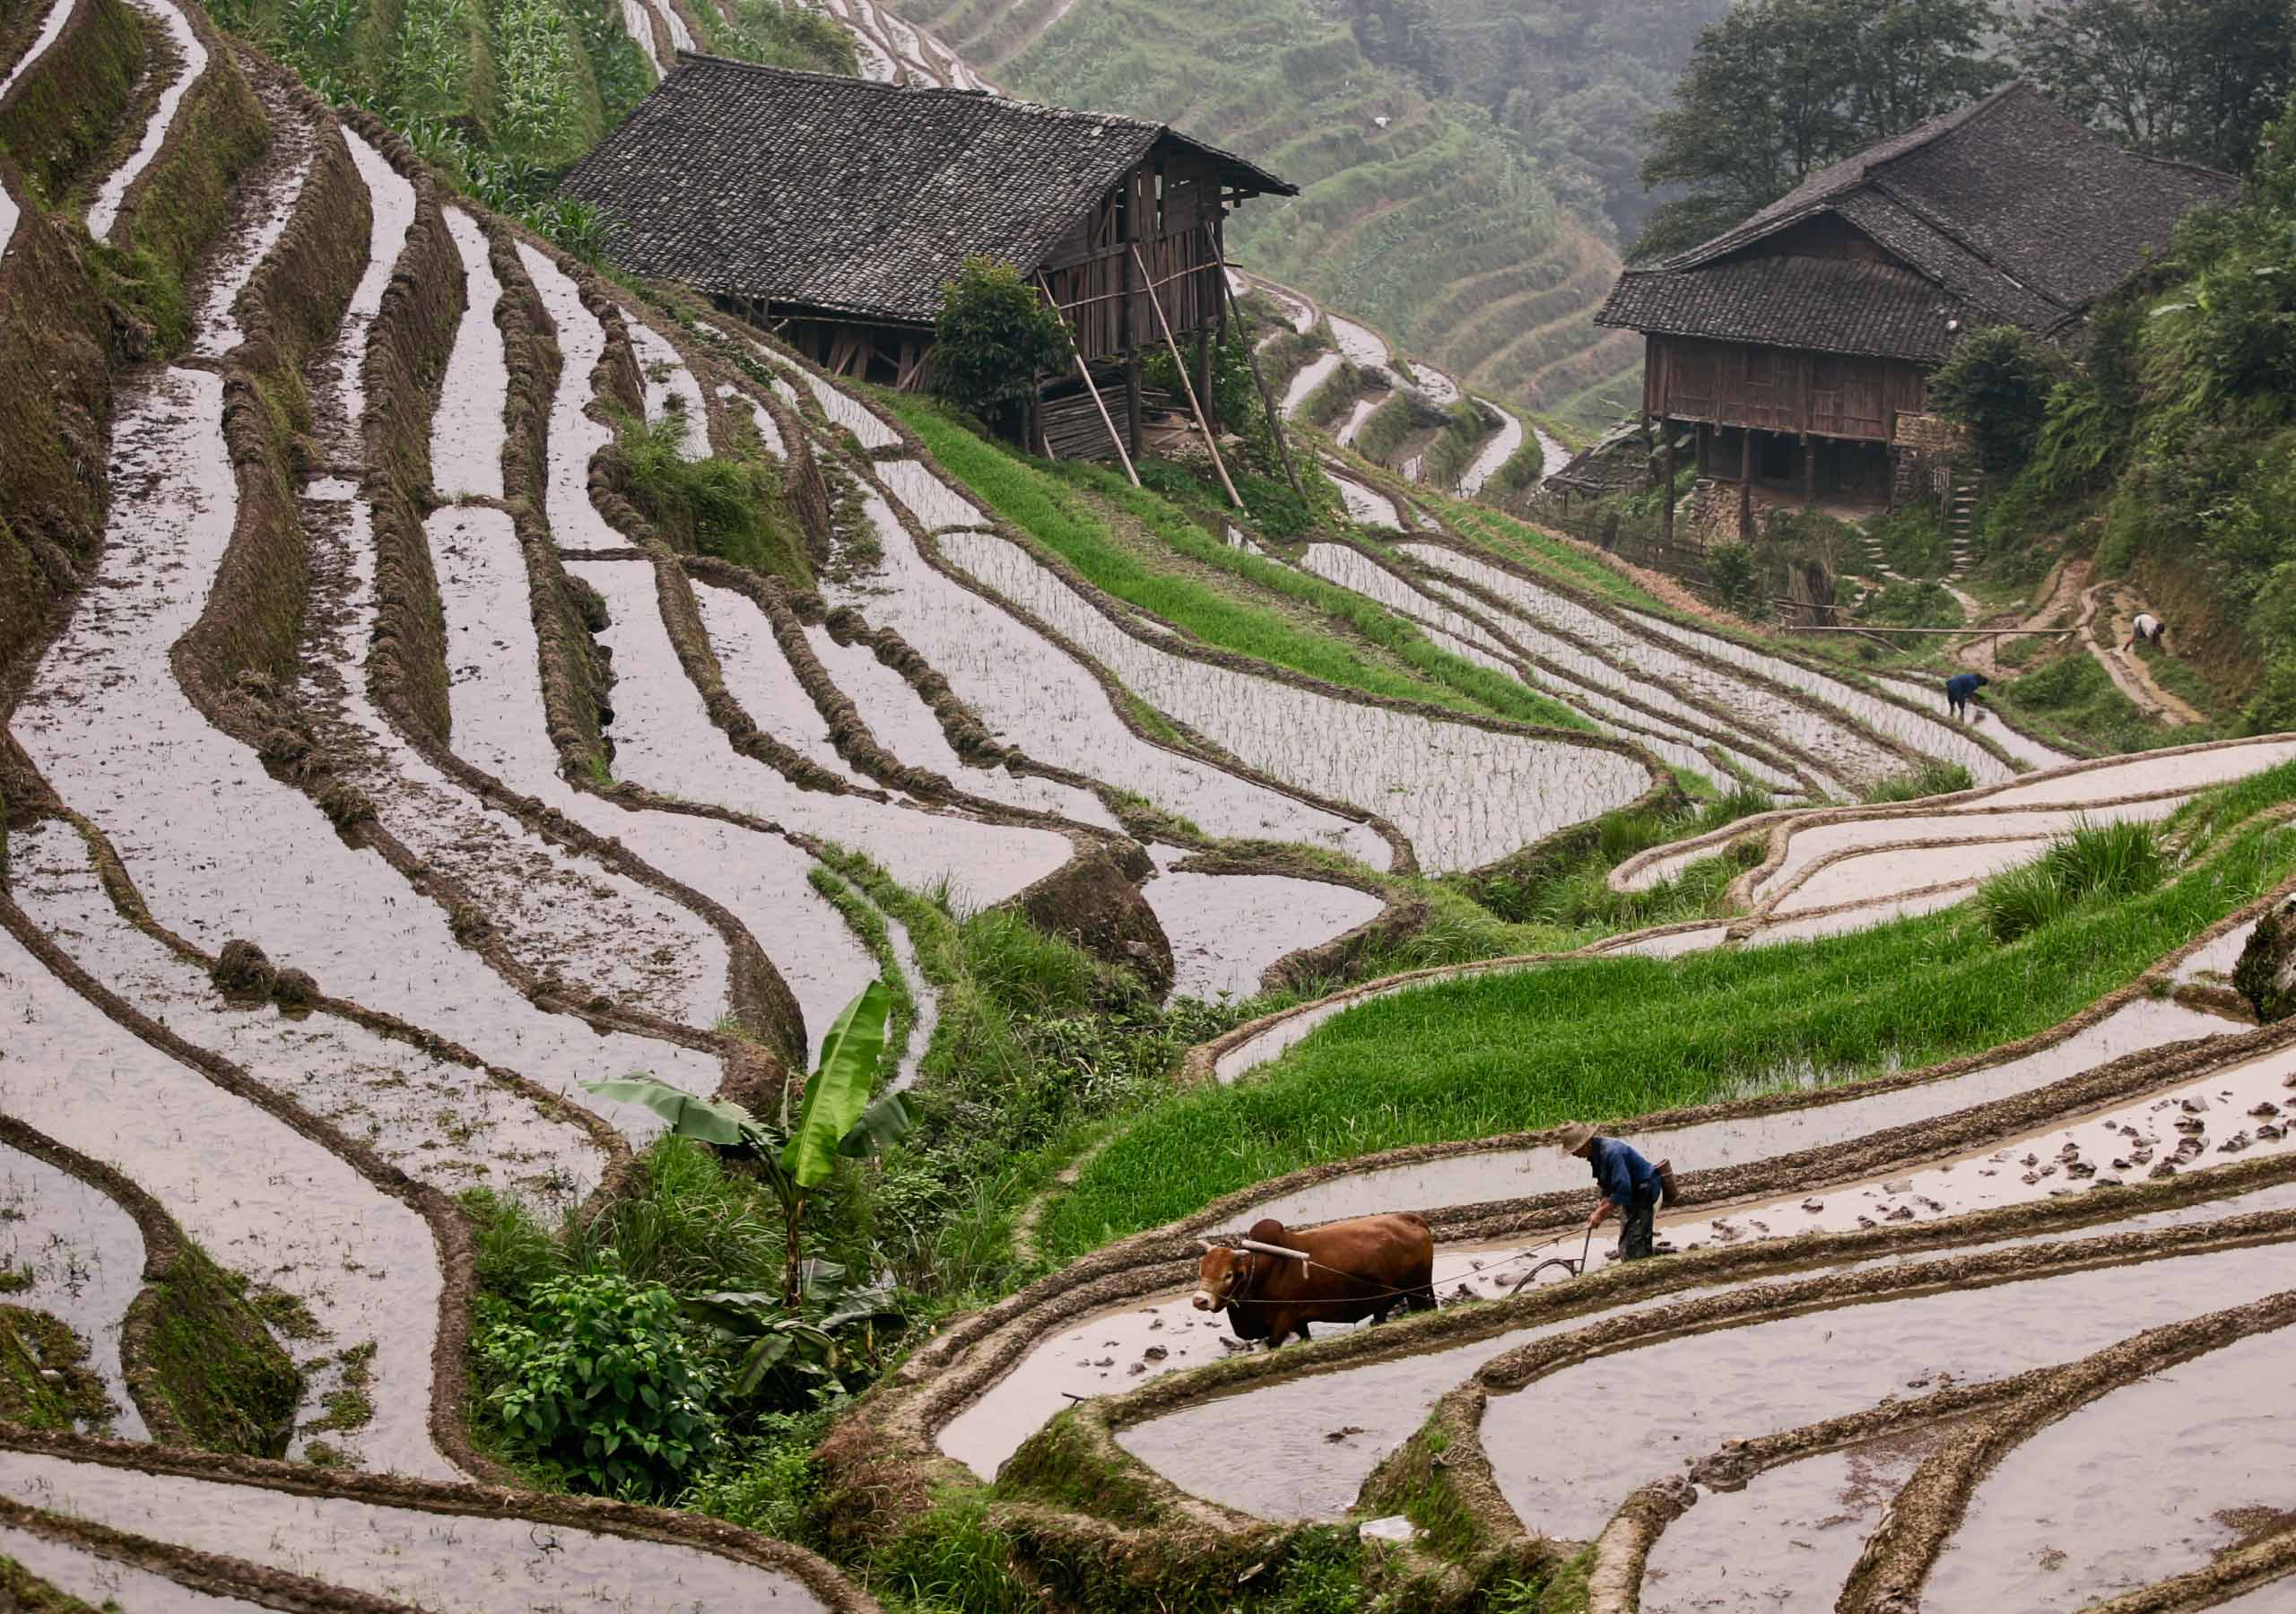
1470,224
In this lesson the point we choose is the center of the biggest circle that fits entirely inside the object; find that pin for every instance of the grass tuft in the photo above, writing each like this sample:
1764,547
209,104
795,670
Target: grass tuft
2108,862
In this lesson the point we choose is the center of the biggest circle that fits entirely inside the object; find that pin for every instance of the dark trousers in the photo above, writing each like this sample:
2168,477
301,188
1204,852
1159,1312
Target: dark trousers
1636,1229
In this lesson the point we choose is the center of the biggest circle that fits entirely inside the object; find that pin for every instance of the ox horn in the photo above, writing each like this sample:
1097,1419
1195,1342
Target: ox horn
1206,1245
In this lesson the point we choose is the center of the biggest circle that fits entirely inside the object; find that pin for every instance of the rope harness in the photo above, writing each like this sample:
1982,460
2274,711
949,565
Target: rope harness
1253,1249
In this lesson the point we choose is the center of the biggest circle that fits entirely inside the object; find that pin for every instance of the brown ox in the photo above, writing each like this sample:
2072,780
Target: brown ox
1358,1269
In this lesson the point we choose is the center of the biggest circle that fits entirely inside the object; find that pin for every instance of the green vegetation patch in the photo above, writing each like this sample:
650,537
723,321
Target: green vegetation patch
22,1591
719,505
215,1369
1605,1038
1913,541
2074,699
34,1345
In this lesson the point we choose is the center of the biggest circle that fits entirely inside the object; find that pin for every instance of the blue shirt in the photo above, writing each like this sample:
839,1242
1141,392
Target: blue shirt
1625,1176
1962,686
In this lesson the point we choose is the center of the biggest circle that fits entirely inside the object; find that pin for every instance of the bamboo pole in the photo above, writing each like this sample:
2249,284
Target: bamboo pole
1084,370
1909,632
1266,398
1187,385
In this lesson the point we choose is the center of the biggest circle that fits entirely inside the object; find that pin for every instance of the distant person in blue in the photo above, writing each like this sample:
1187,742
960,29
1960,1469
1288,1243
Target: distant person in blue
1961,690
1630,1186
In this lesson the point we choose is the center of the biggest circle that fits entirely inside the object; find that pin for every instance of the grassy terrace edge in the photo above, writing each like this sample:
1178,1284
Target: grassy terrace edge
1054,505
1609,1036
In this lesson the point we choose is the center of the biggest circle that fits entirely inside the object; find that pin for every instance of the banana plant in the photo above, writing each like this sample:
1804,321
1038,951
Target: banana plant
770,1336
834,1117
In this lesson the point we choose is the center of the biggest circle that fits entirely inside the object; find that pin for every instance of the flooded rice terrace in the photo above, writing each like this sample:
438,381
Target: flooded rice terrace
428,1560
1315,1439
1464,795
1037,697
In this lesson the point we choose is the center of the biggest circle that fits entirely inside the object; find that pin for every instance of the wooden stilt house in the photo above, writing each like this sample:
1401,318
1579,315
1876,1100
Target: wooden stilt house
1793,353
835,210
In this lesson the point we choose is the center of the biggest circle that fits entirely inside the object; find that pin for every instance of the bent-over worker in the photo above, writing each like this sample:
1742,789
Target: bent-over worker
2149,630
1961,690
1630,1186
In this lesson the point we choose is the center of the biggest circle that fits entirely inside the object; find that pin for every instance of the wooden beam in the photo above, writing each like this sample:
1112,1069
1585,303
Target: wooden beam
1746,481
1195,405
1809,472
1667,508
1085,370
1971,632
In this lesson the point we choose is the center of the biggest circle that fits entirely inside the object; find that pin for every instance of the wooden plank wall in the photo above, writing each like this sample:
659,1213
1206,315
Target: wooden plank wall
1176,204
1778,389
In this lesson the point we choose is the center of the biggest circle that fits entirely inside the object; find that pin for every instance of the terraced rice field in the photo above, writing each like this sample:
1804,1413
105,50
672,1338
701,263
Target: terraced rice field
374,791
1979,1266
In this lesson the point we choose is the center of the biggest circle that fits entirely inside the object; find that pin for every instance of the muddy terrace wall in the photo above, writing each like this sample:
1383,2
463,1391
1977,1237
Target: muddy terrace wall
447,1502
54,412
254,618
406,359
1443,1476
198,1362
179,203
61,114
1089,1517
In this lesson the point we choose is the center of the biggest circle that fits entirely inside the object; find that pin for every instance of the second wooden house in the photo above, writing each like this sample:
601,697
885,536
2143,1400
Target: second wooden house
1794,351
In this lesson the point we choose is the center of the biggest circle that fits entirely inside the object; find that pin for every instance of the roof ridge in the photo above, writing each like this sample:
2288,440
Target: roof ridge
702,58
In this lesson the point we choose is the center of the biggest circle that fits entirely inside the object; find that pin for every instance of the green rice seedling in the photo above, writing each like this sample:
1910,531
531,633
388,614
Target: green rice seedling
1930,779
1503,1050
2023,900
2096,862
1743,800
2112,860
1074,522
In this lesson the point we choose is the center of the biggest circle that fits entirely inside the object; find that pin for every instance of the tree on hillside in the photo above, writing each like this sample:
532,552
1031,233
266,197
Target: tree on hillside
2193,79
1778,88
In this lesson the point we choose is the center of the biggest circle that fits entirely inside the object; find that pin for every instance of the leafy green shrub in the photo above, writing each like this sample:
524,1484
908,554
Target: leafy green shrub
996,335
767,1479
604,1377
1736,578
2272,710
1997,384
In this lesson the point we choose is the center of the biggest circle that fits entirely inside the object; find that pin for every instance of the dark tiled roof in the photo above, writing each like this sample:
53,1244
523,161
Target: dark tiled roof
1833,305
2014,214
851,196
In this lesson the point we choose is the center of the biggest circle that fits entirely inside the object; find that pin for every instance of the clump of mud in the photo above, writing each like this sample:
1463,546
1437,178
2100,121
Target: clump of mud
243,970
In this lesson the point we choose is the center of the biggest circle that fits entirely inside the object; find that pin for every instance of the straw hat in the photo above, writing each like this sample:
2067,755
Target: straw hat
1574,1139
